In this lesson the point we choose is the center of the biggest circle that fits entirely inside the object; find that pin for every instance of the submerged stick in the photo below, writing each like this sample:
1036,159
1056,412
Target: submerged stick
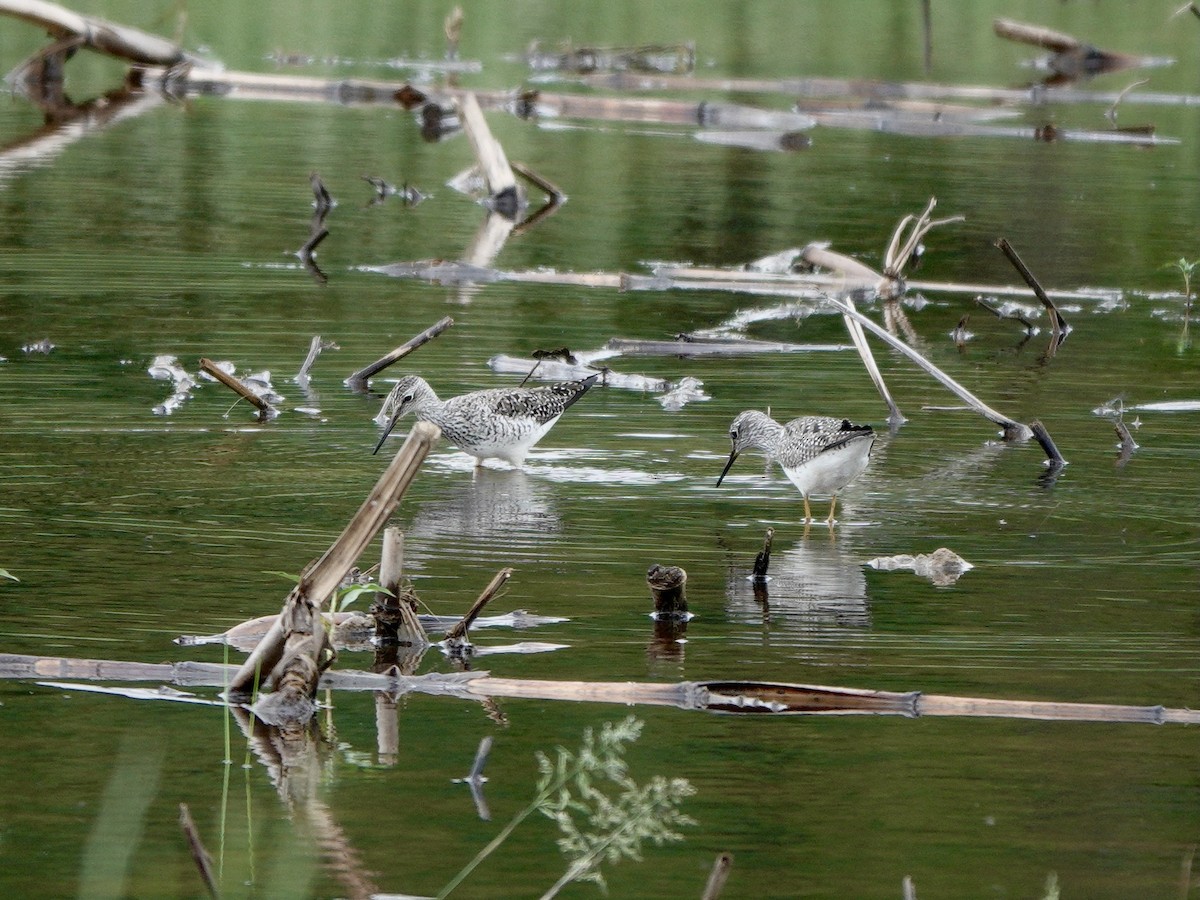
200,855
718,876
1057,322
459,631
359,378
207,365
1043,437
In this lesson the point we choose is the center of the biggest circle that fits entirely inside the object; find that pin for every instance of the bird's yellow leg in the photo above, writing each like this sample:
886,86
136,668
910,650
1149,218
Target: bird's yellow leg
807,510
832,507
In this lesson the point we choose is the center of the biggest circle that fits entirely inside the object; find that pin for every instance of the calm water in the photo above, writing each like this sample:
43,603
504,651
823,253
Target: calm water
172,232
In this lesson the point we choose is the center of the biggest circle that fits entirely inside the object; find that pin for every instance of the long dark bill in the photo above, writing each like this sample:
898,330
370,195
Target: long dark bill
386,432
732,456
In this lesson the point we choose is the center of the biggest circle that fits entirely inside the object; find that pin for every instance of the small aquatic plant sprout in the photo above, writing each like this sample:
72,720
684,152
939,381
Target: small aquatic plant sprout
501,423
819,454
1186,267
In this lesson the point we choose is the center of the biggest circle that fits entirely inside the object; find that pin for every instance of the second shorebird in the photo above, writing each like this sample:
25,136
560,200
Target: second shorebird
501,423
818,454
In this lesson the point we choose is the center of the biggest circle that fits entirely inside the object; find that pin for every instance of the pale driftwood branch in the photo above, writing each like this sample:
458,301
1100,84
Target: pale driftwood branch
1038,36
709,696
1013,430
505,195
895,417
321,577
97,34
891,91
729,347
359,378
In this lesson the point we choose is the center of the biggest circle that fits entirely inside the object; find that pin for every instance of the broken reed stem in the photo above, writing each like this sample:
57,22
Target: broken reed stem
207,365
459,631
360,377
895,417
763,561
199,854
718,876
726,697
1013,430
321,577
1057,322
396,621
1128,444
1043,437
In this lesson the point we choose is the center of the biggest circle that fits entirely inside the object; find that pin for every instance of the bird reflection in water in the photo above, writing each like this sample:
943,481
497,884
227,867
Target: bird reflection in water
505,508
815,587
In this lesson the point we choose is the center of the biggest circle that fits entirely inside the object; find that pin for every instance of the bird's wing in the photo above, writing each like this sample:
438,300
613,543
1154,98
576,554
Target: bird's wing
540,404
821,433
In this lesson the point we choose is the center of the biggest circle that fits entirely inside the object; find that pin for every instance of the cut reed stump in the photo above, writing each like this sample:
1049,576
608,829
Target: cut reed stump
395,614
667,586
763,561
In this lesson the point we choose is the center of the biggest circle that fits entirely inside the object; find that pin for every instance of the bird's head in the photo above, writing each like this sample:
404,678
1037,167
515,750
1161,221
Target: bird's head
408,394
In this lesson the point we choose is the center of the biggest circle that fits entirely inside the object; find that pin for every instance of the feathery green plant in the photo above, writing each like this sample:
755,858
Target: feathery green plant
615,826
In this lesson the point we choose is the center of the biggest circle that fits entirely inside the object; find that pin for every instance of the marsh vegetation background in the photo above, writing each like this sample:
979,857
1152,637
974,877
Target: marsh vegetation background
173,232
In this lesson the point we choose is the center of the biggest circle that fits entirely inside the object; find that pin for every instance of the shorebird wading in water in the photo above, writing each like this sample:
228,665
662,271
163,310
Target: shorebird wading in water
502,423
818,454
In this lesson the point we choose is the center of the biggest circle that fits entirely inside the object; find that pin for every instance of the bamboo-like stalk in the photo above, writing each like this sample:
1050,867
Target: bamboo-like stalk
321,577
753,697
